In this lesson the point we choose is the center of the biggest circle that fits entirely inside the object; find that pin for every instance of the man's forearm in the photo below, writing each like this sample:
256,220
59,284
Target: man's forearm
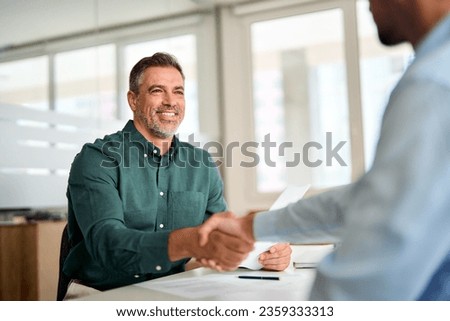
181,242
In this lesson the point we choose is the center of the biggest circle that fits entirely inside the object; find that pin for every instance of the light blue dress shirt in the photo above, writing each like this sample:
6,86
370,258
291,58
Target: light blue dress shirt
393,224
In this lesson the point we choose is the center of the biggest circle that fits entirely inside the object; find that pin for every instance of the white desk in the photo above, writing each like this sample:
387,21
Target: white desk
207,285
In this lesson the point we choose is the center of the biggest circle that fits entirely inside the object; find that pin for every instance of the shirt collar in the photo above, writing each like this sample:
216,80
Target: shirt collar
439,35
135,135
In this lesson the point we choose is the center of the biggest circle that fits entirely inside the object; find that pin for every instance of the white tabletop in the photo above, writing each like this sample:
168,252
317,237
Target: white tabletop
206,285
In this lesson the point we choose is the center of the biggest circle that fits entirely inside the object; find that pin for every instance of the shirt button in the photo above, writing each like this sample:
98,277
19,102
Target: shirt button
161,225
136,276
145,155
158,268
155,151
161,193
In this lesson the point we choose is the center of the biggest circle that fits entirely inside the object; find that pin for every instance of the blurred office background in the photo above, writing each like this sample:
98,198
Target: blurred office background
291,69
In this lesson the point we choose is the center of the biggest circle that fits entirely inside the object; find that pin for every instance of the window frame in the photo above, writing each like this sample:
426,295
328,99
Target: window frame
240,189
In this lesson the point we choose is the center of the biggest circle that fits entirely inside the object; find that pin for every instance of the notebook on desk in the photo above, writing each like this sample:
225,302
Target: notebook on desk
308,256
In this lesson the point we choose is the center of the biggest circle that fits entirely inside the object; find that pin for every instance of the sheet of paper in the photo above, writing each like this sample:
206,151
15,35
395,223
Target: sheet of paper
213,285
193,288
251,262
291,194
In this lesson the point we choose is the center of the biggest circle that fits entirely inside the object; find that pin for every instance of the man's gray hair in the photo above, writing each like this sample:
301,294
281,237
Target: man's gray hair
159,59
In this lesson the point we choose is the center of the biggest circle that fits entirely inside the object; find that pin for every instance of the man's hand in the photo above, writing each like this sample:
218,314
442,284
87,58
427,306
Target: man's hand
277,258
222,251
228,223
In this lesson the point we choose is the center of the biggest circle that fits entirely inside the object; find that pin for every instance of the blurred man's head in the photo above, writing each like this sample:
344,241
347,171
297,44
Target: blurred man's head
407,20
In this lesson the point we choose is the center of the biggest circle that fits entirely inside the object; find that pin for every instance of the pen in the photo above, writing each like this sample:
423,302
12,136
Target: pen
274,278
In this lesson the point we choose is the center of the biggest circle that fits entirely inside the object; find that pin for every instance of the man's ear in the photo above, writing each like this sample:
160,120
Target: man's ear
132,97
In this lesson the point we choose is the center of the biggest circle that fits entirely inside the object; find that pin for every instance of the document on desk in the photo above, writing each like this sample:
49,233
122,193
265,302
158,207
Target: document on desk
291,194
193,287
215,285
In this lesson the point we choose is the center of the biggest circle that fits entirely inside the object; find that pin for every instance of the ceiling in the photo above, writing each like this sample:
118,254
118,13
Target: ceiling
24,21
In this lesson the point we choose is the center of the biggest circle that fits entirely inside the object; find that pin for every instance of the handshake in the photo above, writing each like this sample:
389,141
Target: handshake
223,242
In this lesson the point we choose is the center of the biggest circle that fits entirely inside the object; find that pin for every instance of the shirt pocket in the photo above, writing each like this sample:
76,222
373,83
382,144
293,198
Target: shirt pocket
187,208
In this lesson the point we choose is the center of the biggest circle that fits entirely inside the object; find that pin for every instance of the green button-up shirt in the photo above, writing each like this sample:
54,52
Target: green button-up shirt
124,198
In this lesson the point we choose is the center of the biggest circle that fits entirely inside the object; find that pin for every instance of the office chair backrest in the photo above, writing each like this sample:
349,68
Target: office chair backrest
63,280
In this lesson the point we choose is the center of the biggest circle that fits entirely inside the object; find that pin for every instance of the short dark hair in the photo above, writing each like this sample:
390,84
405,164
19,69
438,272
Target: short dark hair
159,59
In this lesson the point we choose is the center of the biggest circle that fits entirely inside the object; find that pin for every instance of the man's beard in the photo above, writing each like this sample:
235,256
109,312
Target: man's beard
153,125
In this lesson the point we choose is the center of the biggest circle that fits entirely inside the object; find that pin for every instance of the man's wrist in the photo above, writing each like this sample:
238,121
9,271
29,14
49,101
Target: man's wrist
180,243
